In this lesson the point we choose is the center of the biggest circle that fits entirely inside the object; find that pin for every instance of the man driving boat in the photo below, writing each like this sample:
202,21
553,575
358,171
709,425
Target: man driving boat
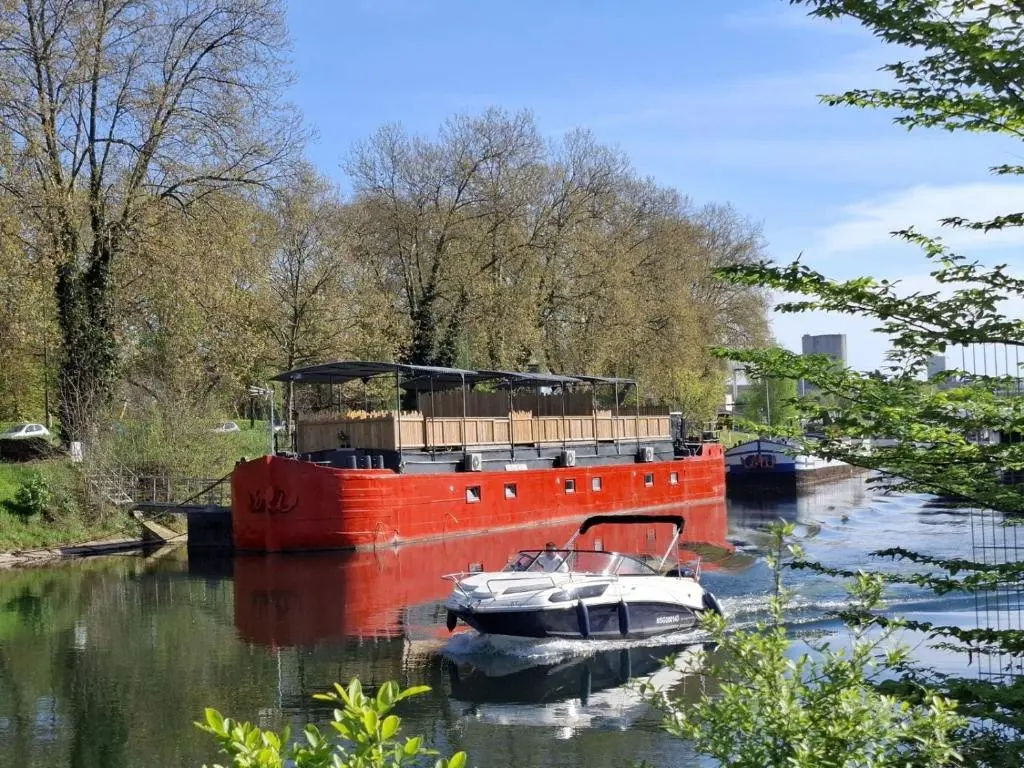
549,560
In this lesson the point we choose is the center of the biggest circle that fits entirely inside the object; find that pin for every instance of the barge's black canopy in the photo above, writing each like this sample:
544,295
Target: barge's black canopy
426,377
420,377
527,378
603,379
351,370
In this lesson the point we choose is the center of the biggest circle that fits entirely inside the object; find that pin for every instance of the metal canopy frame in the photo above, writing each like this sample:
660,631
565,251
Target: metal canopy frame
426,377
527,379
617,382
422,378
351,370
603,379
512,380
677,520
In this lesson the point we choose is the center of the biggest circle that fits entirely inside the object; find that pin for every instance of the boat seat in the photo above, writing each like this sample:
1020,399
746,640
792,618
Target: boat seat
680,570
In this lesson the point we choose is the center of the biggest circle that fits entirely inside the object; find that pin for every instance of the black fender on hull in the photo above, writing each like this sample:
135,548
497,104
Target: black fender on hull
583,618
623,611
711,603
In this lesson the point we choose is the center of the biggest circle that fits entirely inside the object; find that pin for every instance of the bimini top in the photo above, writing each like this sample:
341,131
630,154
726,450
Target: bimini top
590,522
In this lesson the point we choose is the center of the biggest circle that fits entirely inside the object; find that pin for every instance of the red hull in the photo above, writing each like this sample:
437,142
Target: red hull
306,599
281,504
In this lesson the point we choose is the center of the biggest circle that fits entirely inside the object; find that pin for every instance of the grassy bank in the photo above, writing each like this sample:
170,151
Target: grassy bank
729,437
64,520
143,448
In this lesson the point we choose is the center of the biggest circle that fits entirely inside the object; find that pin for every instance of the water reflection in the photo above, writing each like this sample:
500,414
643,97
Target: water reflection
594,691
307,599
813,504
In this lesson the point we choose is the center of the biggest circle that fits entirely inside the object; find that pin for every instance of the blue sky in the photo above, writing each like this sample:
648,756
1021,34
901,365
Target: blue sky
717,99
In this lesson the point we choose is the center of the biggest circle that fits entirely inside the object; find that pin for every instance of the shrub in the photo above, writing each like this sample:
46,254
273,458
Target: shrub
34,497
823,709
364,736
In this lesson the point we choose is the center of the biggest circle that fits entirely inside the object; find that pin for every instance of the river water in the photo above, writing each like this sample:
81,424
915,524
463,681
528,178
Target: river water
106,662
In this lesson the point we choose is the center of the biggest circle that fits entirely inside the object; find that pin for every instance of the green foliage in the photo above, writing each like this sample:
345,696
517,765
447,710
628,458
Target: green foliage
963,72
777,708
365,735
33,497
85,218
177,442
63,519
770,402
968,73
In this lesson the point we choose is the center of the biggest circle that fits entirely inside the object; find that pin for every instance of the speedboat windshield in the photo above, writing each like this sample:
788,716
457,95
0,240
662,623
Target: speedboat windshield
578,561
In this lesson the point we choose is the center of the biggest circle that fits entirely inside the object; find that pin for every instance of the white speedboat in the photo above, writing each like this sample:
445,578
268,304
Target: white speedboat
577,593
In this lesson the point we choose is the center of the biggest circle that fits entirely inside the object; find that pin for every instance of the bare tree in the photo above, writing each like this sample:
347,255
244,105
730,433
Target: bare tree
310,276
426,204
119,110
497,249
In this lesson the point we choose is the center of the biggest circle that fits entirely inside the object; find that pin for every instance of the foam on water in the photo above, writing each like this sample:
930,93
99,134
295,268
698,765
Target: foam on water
839,531
500,655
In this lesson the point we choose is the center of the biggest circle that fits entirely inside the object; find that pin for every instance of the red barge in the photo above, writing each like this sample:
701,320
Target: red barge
463,461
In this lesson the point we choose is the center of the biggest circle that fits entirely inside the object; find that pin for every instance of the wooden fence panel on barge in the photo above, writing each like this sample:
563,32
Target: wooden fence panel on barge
380,431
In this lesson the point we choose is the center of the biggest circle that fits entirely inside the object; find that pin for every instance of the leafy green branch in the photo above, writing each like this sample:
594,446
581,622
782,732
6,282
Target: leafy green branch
823,708
365,735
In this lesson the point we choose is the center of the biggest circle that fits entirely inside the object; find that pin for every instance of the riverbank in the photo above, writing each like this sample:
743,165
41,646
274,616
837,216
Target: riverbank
48,555
147,535
41,508
49,504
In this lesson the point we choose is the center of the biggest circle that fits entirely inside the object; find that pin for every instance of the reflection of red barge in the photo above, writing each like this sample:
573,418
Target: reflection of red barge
464,461
301,599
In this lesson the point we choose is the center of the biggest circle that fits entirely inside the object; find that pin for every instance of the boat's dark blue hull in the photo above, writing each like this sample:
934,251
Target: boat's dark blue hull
600,622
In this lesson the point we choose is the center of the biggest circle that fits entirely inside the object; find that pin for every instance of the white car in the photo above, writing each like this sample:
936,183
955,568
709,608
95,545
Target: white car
225,427
24,431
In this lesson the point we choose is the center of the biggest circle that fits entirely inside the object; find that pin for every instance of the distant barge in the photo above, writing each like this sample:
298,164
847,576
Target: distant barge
454,466
773,465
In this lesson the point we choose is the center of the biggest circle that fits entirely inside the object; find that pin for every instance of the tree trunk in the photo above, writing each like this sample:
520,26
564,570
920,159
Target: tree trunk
424,345
89,350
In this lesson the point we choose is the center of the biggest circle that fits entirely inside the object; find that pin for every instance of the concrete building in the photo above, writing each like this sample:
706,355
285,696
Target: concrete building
831,344
936,365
